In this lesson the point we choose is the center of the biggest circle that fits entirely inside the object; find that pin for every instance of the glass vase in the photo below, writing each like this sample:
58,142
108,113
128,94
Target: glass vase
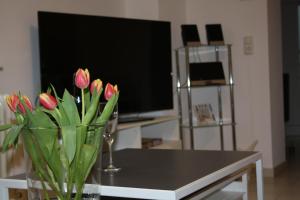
61,160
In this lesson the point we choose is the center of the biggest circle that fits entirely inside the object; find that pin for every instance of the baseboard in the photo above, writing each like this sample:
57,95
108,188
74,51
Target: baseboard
273,172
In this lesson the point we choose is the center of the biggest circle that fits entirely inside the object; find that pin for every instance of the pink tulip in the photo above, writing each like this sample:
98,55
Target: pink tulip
12,102
27,103
110,90
96,84
48,101
82,78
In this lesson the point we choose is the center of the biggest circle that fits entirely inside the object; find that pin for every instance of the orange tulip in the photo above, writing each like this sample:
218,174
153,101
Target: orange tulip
12,102
48,101
96,84
82,78
110,90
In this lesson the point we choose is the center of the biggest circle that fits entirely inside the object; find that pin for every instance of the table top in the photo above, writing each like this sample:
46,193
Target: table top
170,174
175,172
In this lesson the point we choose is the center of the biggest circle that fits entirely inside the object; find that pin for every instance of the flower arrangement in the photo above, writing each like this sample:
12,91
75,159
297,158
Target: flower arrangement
59,140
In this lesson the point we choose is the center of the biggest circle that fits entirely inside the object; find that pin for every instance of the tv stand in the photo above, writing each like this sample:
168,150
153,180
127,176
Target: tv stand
130,134
133,119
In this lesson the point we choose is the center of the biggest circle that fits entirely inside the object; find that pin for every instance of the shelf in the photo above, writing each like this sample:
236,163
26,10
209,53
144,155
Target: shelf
205,45
224,195
185,56
208,124
156,120
203,86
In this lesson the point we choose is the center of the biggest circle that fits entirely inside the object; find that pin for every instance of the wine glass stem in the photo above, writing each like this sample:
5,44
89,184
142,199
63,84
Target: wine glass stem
110,153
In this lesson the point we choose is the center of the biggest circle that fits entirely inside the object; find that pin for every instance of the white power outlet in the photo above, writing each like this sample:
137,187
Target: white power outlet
248,45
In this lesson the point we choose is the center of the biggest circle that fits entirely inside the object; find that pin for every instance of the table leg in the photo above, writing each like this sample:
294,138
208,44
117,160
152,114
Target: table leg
245,186
4,193
259,180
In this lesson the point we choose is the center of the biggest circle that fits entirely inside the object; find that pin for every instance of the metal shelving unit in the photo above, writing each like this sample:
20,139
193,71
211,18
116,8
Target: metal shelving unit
195,54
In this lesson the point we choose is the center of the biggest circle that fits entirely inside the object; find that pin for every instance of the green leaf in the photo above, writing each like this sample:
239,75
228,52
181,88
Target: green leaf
84,164
5,127
64,118
54,113
45,139
90,114
81,132
94,135
39,162
70,108
109,107
34,153
39,119
56,165
69,141
12,137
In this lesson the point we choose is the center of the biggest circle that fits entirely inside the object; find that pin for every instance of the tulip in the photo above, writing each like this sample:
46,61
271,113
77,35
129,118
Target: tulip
82,78
48,101
27,103
96,84
12,102
110,90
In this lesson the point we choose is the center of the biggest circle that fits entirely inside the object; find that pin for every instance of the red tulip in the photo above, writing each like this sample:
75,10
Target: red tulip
82,78
48,101
12,102
96,84
110,90
27,103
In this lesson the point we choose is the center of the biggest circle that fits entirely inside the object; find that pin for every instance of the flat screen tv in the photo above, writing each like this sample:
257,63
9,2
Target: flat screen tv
133,53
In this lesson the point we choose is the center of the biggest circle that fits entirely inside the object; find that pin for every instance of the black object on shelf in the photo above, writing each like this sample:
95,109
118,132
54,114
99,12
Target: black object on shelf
190,35
207,73
214,34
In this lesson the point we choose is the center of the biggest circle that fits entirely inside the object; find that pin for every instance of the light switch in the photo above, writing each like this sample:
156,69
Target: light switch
248,45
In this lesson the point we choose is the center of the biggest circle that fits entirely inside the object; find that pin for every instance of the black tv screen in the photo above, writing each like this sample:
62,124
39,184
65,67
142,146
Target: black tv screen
135,54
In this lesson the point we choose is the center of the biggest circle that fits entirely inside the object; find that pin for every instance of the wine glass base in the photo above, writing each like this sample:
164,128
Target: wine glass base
111,169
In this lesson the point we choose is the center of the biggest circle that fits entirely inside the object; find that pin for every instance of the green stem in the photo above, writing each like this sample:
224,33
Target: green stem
79,192
82,105
43,172
44,187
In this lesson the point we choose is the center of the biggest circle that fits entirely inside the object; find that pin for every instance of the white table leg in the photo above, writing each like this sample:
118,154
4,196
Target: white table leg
4,193
259,180
245,186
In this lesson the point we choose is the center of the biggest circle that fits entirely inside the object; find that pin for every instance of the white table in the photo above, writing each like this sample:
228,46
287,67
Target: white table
171,174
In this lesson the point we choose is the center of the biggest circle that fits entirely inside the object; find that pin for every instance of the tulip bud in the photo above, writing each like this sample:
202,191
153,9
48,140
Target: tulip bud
12,102
96,84
82,78
27,103
110,90
48,101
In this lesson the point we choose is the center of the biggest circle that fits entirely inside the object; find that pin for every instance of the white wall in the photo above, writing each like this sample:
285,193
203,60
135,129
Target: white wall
251,72
142,9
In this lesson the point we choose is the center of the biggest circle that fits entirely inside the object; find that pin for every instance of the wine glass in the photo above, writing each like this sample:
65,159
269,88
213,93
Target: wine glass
109,136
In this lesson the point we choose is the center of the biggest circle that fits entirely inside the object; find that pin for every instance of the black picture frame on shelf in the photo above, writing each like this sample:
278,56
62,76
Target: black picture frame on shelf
190,35
207,73
214,34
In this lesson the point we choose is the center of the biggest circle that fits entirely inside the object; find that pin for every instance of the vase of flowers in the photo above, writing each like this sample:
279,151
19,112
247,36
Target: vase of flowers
62,144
